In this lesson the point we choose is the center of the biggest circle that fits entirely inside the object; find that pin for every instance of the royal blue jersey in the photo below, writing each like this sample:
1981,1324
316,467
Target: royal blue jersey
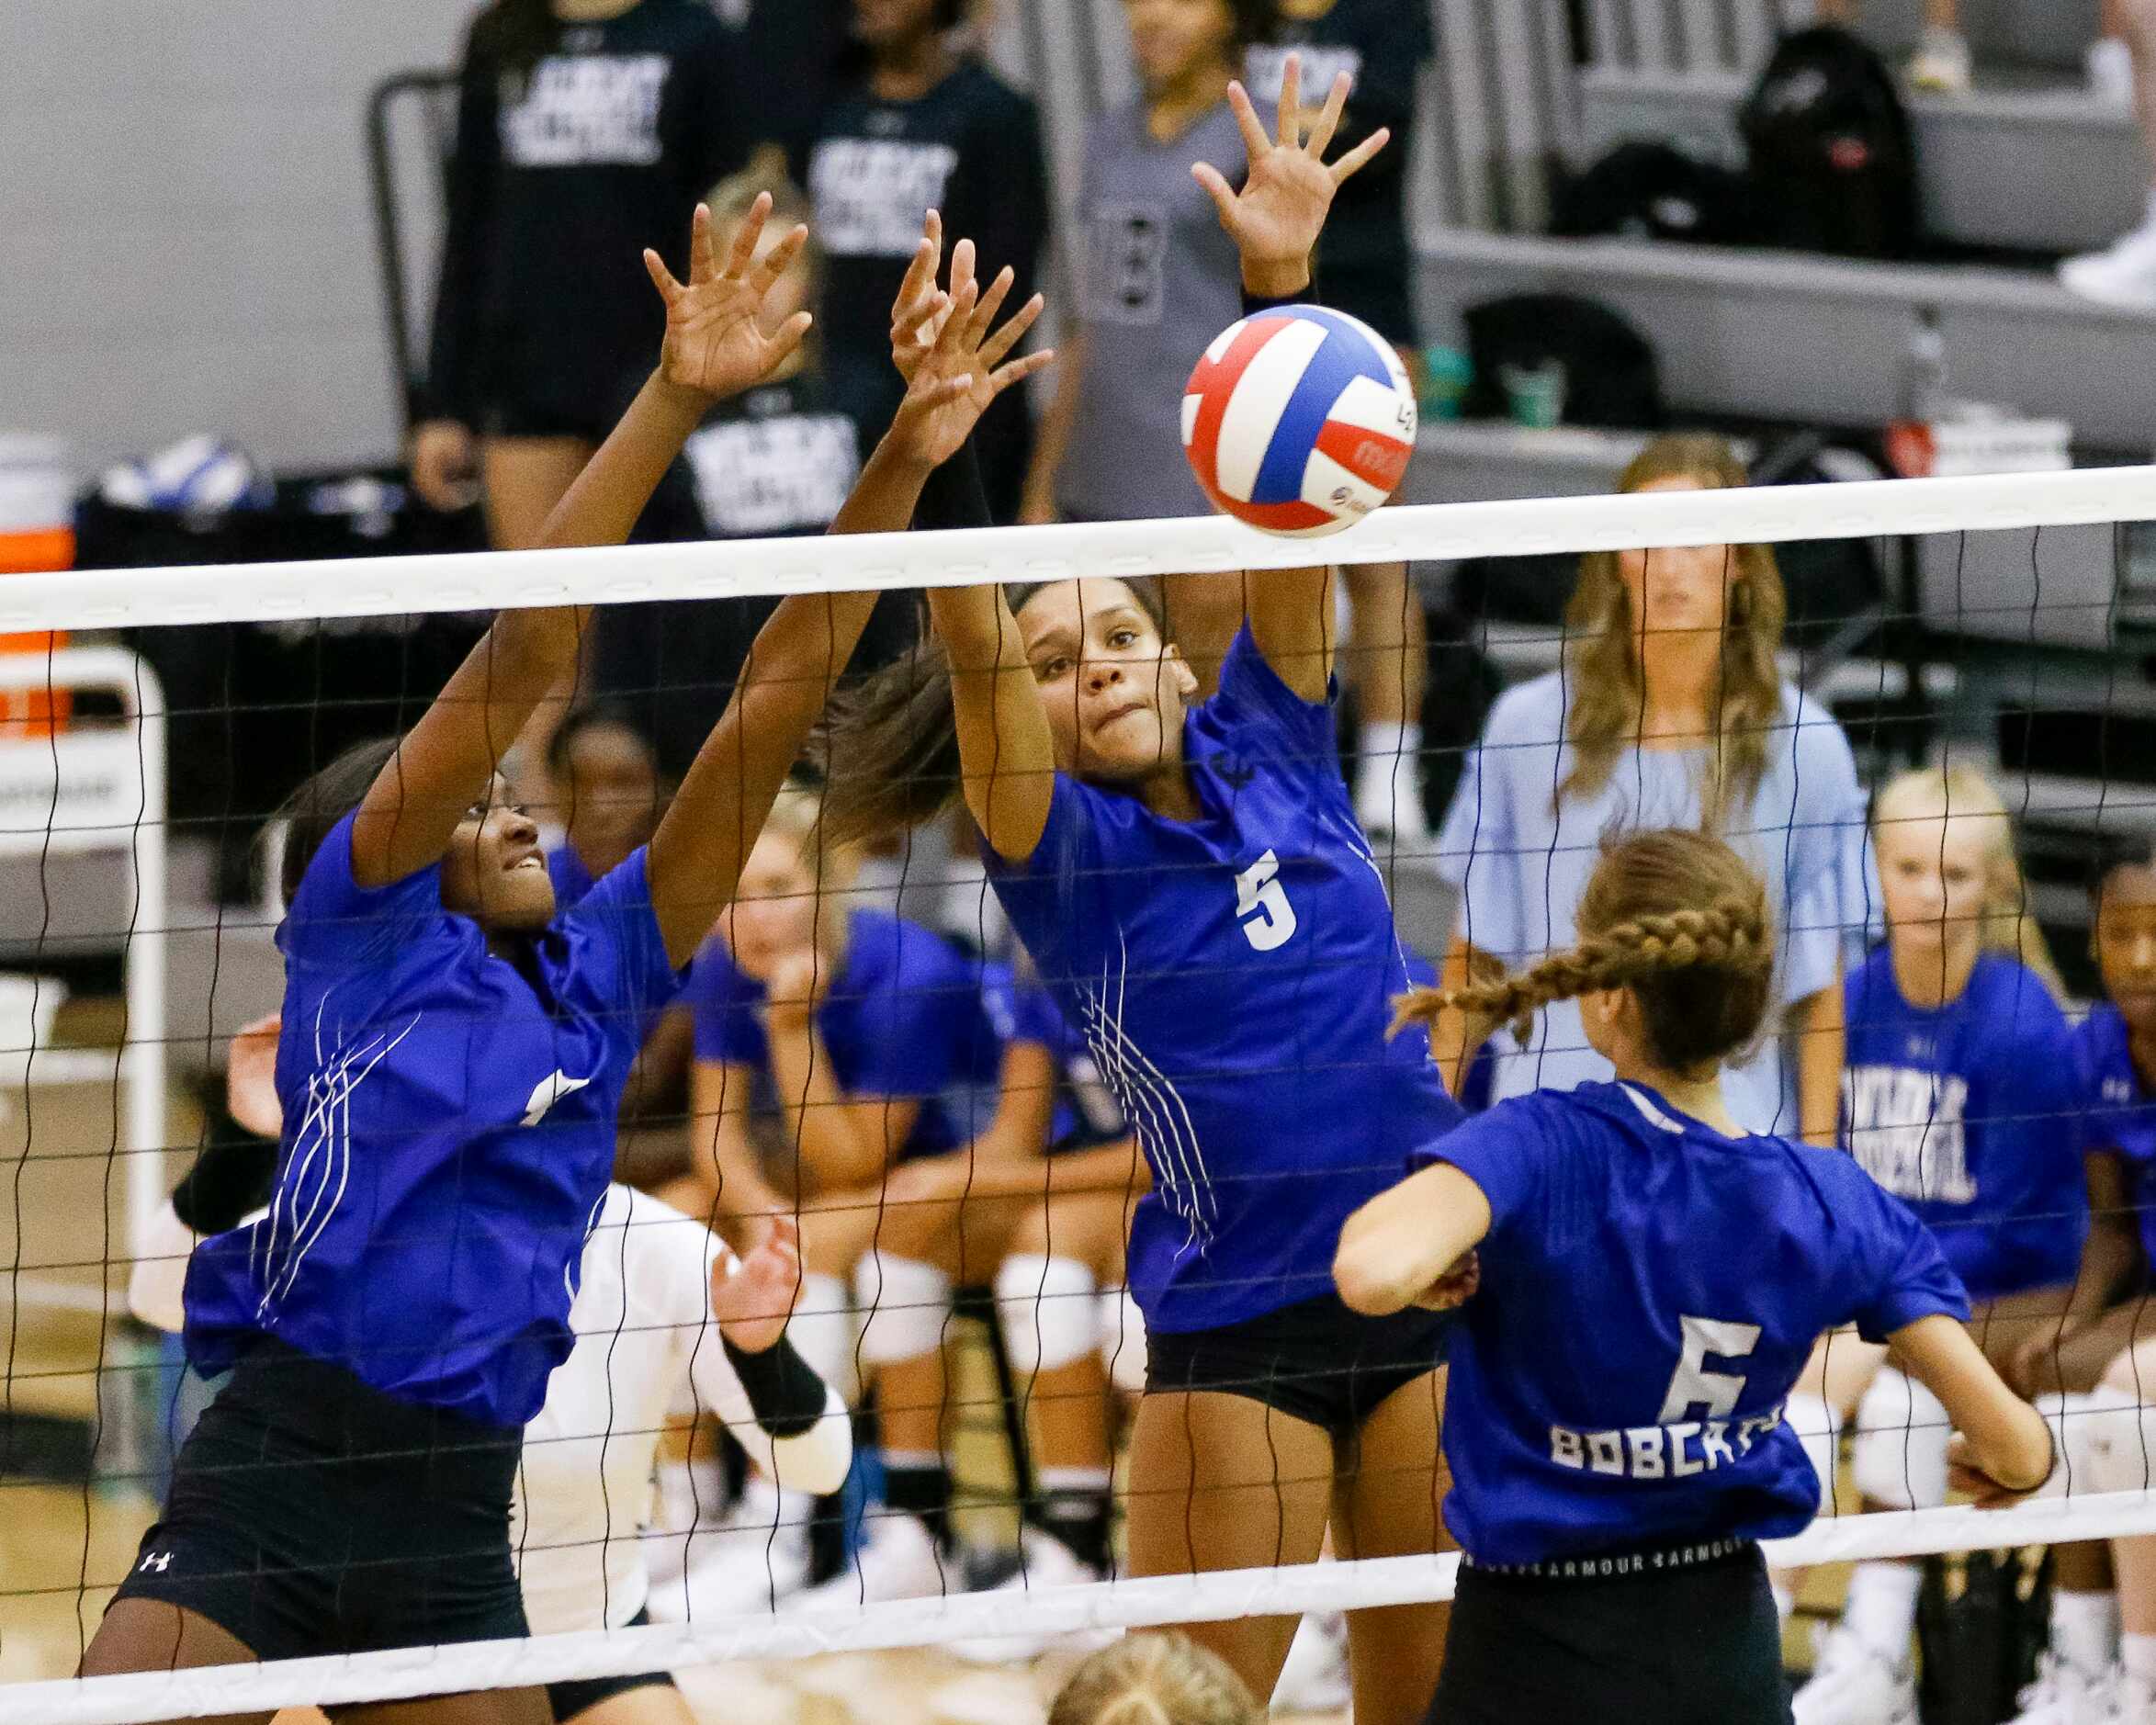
1017,1008
449,1131
573,880
2118,1112
1650,1292
1233,978
898,1019
1970,1115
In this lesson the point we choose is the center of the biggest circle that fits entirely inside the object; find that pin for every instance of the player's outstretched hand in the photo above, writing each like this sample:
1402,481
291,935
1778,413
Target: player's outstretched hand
715,342
966,365
1965,1476
752,1297
1276,217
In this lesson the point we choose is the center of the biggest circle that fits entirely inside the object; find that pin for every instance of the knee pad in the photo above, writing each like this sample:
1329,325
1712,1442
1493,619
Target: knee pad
1123,1340
1899,1457
824,1332
2104,1441
1049,1310
1819,1429
904,1304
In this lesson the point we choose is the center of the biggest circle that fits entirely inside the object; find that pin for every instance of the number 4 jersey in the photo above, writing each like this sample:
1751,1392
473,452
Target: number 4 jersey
1650,1292
1232,979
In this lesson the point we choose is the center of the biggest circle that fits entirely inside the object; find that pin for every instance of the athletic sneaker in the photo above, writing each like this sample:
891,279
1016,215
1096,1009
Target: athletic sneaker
1941,64
1388,804
2063,1694
898,1560
2125,275
1315,1679
2133,1701
1855,1684
1043,1560
755,1557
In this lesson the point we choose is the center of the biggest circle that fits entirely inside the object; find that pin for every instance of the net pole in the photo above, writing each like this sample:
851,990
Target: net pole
1148,1602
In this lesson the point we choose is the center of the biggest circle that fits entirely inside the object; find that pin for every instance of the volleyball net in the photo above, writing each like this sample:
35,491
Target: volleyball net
2001,622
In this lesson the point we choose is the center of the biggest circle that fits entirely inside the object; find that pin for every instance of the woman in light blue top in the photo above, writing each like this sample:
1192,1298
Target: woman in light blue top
1670,712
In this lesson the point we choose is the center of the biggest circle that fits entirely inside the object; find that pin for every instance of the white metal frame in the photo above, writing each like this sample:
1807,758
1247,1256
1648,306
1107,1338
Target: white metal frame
141,1061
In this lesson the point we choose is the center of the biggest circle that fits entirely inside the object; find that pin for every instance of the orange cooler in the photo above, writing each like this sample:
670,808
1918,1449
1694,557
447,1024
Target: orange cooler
37,533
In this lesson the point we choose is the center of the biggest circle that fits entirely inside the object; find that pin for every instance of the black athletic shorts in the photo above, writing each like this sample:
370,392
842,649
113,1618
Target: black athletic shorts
568,1699
1316,1361
312,1514
1679,1636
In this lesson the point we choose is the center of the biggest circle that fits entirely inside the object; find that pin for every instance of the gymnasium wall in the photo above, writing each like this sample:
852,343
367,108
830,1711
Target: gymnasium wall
185,237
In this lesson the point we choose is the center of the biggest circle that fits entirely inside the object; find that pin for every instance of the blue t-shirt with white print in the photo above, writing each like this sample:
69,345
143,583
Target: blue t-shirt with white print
898,1019
2118,1112
449,1133
1651,1290
1970,1114
1233,978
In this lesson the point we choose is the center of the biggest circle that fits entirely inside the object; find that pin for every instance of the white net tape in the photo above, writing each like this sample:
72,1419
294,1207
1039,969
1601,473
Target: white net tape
91,600
1217,1596
392,586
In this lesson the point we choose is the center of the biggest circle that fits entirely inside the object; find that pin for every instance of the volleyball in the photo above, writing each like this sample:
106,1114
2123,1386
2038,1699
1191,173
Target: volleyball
1298,421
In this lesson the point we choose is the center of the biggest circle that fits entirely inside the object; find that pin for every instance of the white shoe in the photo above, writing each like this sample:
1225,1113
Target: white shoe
753,1560
1044,1562
2123,276
2111,73
2063,1694
1388,804
1315,1679
2133,1702
1942,63
1855,1684
898,1560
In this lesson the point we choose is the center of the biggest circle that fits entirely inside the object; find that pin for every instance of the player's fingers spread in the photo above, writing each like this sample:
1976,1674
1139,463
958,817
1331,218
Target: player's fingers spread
1020,369
1328,122
1012,333
984,314
1291,99
662,278
1246,121
920,273
778,261
961,317
1217,187
1359,156
791,335
751,231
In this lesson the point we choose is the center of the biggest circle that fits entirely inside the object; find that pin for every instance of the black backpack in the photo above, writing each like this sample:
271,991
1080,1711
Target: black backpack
1654,191
1833,155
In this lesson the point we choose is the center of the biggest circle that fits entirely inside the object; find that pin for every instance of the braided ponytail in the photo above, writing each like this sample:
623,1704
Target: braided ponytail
1677,917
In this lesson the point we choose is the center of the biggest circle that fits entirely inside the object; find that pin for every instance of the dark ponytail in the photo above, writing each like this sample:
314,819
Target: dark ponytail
887,747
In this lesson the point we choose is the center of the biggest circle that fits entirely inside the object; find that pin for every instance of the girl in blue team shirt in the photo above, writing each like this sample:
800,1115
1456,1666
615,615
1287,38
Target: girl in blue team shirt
1195,892
1651,1279
1959,1097
452,1055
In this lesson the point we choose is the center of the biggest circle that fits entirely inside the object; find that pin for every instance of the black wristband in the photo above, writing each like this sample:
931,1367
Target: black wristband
955,495
782,1388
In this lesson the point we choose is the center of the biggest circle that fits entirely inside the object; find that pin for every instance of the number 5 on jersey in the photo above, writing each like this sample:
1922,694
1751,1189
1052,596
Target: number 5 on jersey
1261,905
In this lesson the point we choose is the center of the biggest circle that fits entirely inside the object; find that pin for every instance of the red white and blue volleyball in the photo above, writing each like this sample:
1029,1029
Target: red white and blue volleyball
1300,421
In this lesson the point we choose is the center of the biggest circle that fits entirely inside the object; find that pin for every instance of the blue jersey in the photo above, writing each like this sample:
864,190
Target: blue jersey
898,1020
449,1131
2119,1112
1233,978
571,879
1650,1292
1968,1114
1017,1008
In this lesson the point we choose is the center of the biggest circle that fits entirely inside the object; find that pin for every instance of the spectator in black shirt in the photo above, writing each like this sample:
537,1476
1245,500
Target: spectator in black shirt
586,131
1367,264
917,123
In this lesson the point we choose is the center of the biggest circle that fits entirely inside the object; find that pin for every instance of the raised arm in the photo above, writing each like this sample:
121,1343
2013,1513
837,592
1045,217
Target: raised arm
696,854
1408,1246
715,347
1275,220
